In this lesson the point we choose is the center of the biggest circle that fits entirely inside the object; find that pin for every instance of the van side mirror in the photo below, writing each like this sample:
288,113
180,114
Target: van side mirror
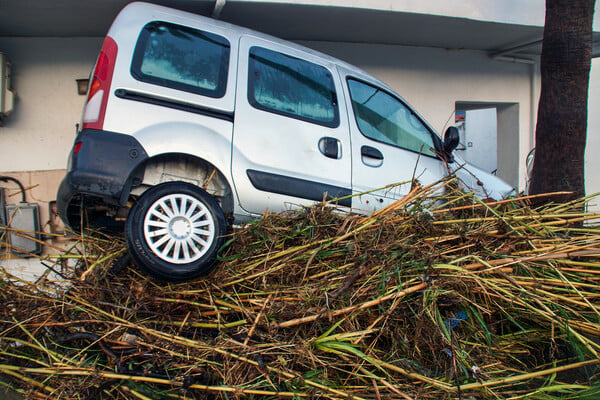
451,140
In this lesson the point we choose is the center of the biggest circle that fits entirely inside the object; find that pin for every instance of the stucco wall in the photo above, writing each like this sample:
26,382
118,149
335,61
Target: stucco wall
522,12
592,161
39,133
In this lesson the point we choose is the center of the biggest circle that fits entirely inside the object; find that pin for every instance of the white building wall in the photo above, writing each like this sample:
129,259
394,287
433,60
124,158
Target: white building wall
520,12
592,161
39,133
480,139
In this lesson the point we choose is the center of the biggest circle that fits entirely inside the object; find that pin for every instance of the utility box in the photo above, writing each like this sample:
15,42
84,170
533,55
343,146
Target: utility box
24,235
6,93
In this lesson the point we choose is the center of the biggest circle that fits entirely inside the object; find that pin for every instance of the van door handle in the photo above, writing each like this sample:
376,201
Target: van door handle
371,157
330,147
371,152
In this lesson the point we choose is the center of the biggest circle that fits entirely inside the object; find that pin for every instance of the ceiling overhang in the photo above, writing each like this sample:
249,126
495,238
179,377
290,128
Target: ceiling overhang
291,21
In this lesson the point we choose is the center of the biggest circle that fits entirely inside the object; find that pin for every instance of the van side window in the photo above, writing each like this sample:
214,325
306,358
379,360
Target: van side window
292,87
182,58
384,118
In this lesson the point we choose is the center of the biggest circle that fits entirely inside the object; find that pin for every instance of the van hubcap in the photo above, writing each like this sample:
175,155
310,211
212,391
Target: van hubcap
179,228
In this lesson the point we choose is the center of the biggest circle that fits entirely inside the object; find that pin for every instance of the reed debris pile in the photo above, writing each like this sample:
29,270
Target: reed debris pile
429,298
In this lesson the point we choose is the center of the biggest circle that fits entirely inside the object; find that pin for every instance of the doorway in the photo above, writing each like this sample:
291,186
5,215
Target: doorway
489,134
479,137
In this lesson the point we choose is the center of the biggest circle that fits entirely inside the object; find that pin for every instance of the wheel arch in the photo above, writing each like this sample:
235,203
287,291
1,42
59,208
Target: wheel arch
170,167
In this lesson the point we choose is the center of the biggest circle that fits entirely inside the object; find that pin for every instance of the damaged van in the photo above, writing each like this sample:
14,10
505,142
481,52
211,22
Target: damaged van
192,124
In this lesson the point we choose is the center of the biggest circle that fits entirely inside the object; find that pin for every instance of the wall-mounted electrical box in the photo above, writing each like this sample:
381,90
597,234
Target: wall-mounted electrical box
24,237
6,94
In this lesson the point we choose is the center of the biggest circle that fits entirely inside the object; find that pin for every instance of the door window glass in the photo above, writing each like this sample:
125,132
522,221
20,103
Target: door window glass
292,87
182,58
384,118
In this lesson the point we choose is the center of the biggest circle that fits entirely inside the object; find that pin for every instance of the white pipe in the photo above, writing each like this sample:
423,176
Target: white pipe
516,60
534,98
516,48
533,92
219,5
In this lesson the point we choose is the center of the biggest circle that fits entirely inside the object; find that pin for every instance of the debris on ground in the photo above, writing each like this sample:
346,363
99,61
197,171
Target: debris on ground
434,297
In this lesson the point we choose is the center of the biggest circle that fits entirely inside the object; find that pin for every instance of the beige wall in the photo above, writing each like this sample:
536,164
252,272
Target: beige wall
592,161
37,136
40,132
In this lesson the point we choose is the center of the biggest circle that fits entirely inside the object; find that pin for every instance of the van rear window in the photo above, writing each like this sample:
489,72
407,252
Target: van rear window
182,58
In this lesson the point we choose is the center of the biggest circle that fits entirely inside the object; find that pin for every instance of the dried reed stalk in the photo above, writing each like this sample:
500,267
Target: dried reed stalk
438,295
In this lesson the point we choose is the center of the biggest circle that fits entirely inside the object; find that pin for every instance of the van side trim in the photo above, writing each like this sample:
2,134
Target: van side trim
301,188
175,104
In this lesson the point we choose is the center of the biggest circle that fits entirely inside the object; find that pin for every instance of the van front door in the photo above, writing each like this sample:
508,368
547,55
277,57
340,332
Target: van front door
392,146
291,143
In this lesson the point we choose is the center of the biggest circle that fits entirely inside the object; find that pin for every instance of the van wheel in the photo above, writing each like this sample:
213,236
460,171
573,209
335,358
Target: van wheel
174,231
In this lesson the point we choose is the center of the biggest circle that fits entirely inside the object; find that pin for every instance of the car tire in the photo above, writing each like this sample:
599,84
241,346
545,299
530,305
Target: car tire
174,231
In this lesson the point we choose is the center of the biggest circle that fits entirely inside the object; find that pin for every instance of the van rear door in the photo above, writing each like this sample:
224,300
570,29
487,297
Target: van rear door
291,143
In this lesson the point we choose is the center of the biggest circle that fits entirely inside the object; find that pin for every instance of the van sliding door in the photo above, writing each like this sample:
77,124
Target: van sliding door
291,143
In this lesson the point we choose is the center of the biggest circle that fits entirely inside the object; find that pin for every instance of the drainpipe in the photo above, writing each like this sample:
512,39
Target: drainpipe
219,5
533,67
518,48
534,97
515,60
534,90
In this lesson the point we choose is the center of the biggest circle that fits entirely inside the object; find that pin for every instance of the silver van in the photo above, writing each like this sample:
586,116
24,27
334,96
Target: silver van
192,124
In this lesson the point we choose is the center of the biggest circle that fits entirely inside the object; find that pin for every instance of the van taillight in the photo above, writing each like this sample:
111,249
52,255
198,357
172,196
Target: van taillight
77,147
95,107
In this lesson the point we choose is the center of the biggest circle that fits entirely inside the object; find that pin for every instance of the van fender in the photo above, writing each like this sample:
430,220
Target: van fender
484,184
209,142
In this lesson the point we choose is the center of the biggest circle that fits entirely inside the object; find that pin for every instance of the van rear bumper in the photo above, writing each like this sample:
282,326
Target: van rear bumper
102,168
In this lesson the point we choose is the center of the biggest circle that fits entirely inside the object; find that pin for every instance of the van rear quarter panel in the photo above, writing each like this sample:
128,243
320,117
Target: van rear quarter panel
169,127
125,31
161,129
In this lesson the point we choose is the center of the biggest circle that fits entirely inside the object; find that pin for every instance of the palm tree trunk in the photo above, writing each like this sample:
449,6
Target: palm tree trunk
562,113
